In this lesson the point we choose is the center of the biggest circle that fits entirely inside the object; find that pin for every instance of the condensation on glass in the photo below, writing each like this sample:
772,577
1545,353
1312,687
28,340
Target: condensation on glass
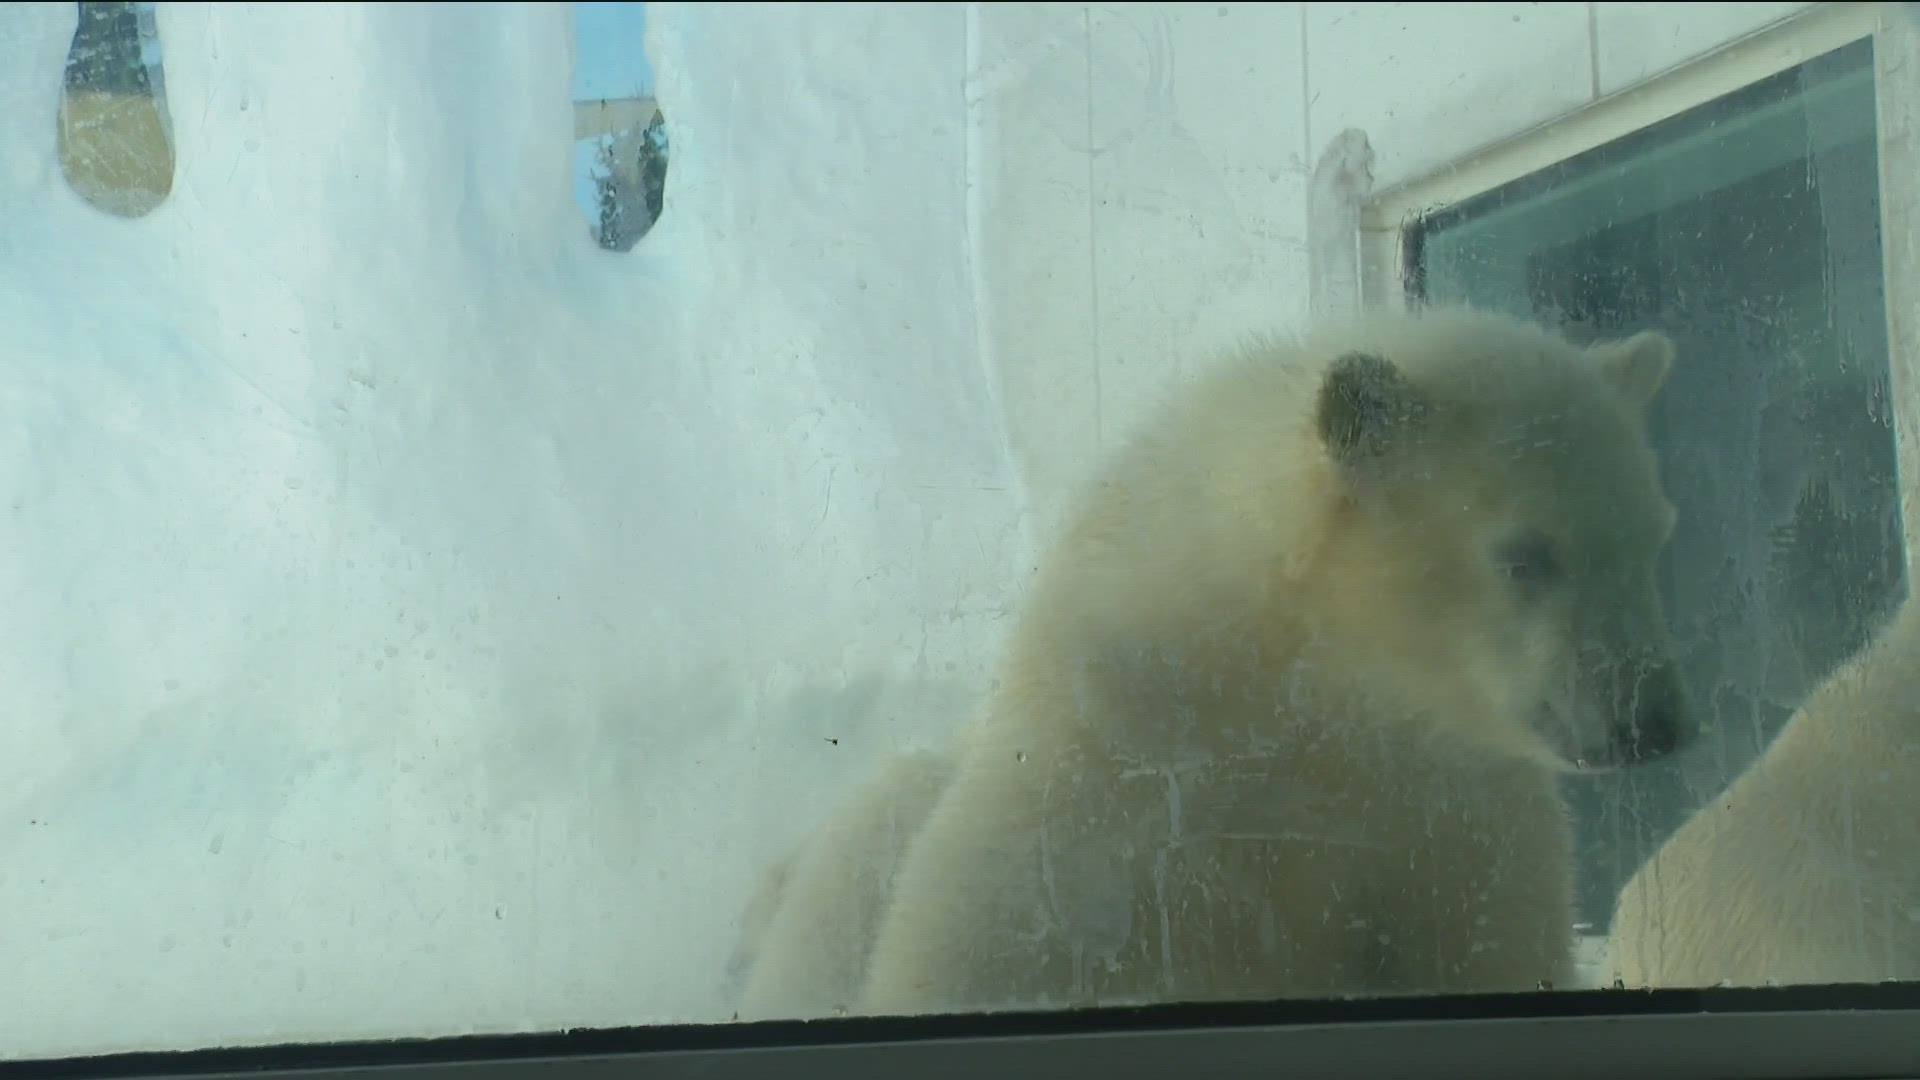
423,622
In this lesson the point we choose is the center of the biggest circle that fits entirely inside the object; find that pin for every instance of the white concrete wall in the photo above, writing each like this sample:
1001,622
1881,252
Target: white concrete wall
1143,167
422,621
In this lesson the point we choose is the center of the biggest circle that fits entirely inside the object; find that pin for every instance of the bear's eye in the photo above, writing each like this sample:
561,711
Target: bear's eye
1527,561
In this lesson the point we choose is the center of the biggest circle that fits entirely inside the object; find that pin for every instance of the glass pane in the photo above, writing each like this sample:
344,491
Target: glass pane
920,539
116,139
1749,230
620,160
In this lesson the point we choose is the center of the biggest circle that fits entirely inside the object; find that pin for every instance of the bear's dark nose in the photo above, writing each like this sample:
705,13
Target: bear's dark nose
1658,711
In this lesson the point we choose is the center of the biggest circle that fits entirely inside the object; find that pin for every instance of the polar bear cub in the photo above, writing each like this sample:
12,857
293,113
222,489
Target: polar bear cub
1287,705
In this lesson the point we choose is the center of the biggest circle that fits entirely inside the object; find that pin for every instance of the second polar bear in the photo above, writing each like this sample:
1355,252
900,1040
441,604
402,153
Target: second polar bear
1286,710
1807,868
810,929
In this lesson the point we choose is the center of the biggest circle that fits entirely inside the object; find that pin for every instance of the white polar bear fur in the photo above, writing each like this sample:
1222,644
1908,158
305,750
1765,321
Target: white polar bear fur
1807,868
1223,762
810,929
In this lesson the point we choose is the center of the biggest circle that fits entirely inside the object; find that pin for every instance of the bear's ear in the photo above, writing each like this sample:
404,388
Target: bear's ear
1366,405
1638,366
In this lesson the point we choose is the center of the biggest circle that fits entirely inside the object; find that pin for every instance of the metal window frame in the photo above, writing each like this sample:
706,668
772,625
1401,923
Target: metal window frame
1387,260
1730,1034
